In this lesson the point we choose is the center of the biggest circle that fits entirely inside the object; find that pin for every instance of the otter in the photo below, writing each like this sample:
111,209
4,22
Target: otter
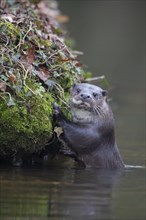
90,136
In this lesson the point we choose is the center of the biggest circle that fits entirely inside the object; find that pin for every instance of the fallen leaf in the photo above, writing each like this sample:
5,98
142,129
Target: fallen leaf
12,78
43,73
8,17
67,60
58,131
3,86
78,64
30,55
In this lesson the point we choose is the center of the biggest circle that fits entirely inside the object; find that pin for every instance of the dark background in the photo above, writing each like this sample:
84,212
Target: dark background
112,36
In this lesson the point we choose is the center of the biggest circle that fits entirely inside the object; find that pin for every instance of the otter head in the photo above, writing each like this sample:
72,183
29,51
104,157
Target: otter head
87,101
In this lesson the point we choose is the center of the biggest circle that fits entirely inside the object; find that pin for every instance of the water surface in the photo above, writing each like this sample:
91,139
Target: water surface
65,194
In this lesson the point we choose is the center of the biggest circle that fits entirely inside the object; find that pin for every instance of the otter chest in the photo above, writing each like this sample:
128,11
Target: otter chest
81,115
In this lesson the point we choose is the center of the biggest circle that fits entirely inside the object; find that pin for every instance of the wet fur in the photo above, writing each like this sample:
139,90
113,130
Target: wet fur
90,136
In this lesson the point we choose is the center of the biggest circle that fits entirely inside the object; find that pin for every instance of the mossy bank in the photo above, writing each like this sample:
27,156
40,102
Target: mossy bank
37,68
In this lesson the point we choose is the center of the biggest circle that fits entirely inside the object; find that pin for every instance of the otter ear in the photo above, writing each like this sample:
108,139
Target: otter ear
74,85
104,93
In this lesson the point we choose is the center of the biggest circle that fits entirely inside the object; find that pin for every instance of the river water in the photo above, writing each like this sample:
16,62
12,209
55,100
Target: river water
111,33
65,194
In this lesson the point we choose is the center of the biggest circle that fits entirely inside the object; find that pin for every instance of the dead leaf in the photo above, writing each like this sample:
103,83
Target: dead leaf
12,78
67,60
43,73
30,55
3,86
78,64
58,131
8,17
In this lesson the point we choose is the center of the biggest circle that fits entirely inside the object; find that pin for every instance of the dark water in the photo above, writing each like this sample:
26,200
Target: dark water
65,194
111,33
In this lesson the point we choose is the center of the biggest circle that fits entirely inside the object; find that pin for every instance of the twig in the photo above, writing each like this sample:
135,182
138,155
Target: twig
60,89
56,52
30,27
64,46
76,52
25,77
64,102
94,78
7,93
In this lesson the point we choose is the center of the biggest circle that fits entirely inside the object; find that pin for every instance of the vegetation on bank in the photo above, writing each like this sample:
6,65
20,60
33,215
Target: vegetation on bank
37,68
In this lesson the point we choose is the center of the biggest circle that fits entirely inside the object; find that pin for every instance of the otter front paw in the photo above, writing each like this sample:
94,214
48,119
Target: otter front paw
57,110
58,113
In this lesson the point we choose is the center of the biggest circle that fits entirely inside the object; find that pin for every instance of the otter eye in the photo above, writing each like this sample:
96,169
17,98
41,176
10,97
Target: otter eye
104,92
95,94
78,90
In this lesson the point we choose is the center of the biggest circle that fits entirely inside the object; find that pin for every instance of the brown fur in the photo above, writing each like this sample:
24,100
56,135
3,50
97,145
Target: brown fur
90,136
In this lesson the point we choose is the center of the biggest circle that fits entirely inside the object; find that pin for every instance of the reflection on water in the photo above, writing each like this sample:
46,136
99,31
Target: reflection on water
69,194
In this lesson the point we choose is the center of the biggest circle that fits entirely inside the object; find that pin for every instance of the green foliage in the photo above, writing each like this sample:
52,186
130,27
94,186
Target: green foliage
37,68
26,125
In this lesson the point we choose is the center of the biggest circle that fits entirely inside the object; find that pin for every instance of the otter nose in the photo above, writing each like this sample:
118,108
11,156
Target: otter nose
84,96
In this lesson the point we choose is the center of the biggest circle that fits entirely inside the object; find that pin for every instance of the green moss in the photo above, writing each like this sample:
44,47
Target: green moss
37,68
26,126
9,28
